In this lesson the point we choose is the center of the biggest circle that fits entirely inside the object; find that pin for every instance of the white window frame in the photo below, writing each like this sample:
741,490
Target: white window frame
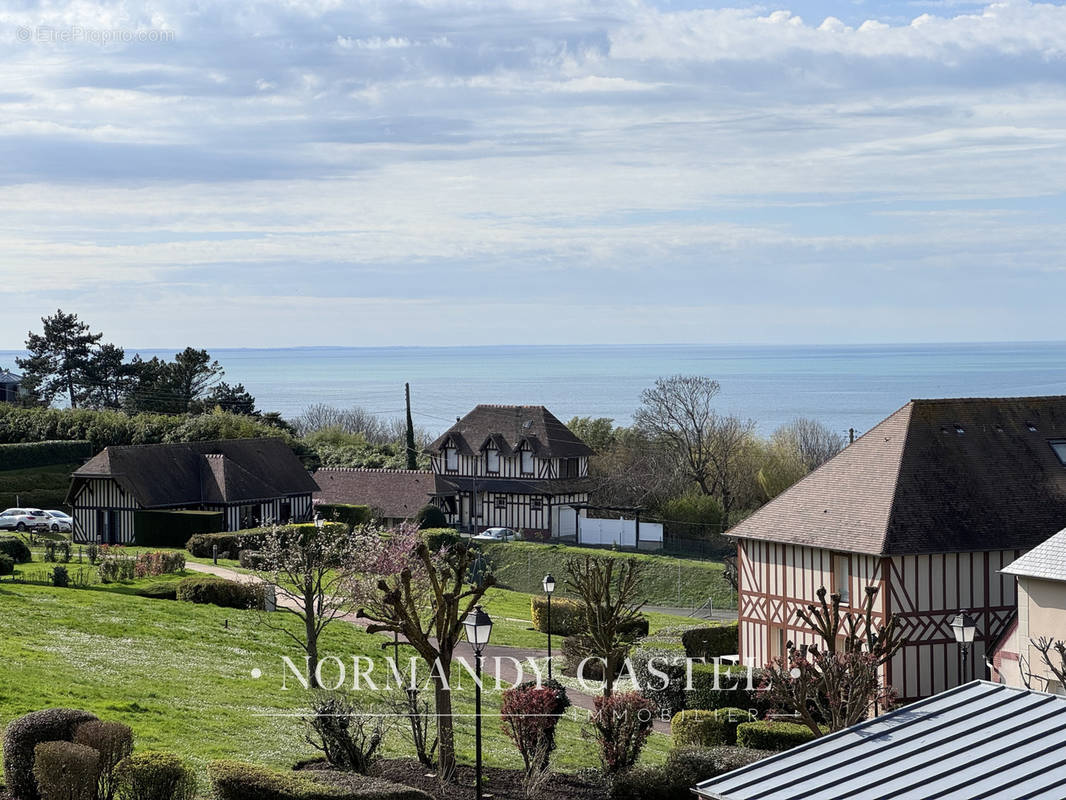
522,456
842,577
451,459
492,461
1059,446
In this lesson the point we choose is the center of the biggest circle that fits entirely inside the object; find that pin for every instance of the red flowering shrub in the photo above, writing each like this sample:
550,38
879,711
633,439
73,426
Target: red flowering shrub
621,724
158,563
530,714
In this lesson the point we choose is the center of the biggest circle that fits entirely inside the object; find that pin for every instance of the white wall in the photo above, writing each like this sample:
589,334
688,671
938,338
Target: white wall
622,532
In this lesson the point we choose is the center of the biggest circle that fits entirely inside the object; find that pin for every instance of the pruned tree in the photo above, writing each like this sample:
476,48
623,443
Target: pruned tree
424,597
59,359
679,412
307,567
835,683
608,590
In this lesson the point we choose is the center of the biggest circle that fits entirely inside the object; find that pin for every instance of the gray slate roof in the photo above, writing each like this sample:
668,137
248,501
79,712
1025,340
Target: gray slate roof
980,740
937,476
227,471
1047,560
9,378
507,427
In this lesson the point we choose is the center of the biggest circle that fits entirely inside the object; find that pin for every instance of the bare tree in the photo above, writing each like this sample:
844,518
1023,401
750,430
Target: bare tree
610,607
1056,664
813,442
679,412
307,566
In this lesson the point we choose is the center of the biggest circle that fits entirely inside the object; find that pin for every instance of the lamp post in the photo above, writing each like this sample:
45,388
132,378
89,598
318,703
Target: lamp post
964,627
549,587
478,626
319,522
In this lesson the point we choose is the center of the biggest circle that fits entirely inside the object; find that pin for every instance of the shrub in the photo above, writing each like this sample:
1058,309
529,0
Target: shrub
158,563
7,564
708,728
711,641
116,568
684,768
429,516
114,742
232,780
347,737
57,551
173,528
576,649
219,592
202,545
251,559
668,693
732,688
154,776
92,552
773,735
534,535
437,538
16,549
65,771
568,616
24,734
621,724
24,455
530,715
158,591
60,577
634,629
351,515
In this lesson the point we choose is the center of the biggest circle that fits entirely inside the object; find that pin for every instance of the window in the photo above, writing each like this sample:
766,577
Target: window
571,468
501,502
536,504
492,460
451,459
841,576
1059,446
527,462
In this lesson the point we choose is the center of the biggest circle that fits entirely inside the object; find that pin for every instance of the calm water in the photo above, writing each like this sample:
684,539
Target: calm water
844,386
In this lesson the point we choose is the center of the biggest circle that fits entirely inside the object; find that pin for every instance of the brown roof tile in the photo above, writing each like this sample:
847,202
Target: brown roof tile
510,426
394,494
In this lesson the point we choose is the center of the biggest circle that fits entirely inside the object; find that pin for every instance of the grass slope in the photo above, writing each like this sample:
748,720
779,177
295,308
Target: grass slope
667,581
35,487
180,675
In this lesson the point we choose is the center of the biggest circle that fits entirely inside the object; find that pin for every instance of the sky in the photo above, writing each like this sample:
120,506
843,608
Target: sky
442,172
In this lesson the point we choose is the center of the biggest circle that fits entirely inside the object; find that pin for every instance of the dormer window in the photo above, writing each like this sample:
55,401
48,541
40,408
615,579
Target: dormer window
451,459
492,461
1059,446
526,457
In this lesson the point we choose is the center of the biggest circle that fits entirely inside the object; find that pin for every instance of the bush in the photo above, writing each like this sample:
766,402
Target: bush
251,559
158,591
233,780
684,768
24,734
174,528
219,591
25,455
229,544
773,735
530,715
634,629
60,577
437,538
576,649
348,738
7,564
65,771
696,516
429,516
158,563
568,616
667,693
733,688
116,568
708,728
351,515
155,776
17,549
712,641
114,742
621,724
57,551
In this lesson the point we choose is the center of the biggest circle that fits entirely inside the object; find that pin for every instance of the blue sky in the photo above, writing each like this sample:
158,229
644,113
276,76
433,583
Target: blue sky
439,172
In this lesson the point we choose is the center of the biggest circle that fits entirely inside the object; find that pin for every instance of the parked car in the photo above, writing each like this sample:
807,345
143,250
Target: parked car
61,521
496,535
24,519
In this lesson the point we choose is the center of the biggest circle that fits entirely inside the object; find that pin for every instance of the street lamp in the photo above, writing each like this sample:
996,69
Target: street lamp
319,522
964,627
549,587
478,626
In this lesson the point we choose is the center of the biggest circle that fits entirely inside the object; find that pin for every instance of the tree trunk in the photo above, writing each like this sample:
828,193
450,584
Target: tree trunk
312,639
445,729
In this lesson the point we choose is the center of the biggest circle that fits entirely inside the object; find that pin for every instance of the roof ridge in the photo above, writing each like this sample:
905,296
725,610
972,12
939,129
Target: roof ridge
375,469
192,442
1003,399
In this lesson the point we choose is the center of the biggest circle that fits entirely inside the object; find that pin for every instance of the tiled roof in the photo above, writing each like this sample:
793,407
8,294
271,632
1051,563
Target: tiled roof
393,494
227,471
978,740
452,484
9,378
1047,560
510,426
936,476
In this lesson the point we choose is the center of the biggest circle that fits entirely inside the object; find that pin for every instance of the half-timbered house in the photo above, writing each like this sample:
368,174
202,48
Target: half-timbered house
393,495
928,507
516,467
251,481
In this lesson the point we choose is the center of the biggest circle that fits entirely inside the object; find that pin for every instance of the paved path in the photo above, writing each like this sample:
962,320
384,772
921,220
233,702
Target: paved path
499,661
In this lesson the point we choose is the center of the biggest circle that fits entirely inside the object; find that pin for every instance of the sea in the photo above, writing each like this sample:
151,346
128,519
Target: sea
844,386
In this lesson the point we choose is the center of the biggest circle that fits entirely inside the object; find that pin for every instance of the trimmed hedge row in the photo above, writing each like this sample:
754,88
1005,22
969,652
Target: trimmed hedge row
568,616
436,538
234,780
174,528
24,455
351,515
773,735
684,768
202,545
708,728
220,592
712,641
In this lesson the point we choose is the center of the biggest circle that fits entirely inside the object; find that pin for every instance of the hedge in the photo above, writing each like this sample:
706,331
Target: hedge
667,693
568,616
351,515
22,735
7,564
773,735
712,641
158,591
219,592
233,780
16,549
229,544
429,516
436,538
155,776
732,692
684,768
174,528
24,455
65,771
708,728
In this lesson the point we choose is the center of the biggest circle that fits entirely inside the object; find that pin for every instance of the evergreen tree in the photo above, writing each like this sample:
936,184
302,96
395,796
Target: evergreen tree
59,359
412,453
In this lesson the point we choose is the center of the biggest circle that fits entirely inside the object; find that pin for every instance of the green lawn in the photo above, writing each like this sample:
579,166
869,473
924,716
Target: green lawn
667,581
180,675
35,487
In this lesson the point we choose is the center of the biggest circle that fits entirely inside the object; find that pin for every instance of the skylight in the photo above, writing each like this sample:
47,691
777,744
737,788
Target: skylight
1059,446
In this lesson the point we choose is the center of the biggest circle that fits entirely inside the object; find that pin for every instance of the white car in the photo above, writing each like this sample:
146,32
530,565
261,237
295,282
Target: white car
24,519
495,535
61,521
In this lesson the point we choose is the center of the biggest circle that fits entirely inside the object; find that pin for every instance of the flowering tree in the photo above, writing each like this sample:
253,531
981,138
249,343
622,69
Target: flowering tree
835,683
423,596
